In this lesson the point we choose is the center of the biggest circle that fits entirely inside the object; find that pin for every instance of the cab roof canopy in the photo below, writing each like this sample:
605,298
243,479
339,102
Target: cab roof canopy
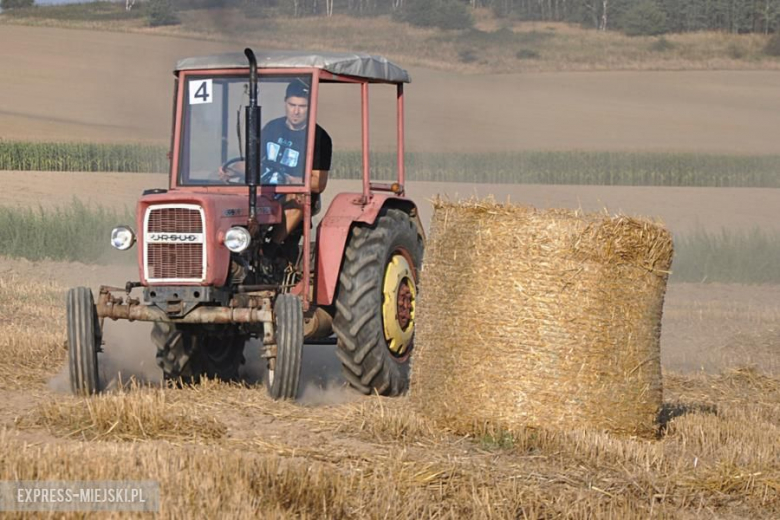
375,68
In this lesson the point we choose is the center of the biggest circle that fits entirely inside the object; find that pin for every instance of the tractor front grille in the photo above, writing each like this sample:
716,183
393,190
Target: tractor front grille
174,243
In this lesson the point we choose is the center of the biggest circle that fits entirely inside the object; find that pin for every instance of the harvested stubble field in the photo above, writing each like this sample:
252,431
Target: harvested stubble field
228,450
222,450
93,86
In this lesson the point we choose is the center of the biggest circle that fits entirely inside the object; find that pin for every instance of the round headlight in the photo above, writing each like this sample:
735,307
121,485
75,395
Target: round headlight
122,238
237,239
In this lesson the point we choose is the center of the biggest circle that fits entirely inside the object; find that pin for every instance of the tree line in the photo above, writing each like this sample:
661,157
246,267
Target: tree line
634,17
734,16
637,16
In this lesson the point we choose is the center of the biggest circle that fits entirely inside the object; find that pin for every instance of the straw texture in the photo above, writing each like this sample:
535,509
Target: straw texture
540,318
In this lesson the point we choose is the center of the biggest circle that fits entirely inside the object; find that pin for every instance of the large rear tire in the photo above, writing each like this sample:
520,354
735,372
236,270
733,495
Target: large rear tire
284,370
84,339
186,355
375,304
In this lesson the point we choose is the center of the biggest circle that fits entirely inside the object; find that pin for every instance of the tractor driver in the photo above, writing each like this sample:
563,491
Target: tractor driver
283,151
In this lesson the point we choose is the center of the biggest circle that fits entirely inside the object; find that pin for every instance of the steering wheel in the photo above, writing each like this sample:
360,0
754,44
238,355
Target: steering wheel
228,173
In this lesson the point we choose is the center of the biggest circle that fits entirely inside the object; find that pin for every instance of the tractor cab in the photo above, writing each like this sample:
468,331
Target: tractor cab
210,137
247,160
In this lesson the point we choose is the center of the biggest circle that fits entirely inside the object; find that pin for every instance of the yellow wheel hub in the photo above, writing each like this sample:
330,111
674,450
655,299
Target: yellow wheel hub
398,307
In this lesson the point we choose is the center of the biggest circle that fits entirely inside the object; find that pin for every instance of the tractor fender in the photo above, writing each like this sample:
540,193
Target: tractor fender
333,232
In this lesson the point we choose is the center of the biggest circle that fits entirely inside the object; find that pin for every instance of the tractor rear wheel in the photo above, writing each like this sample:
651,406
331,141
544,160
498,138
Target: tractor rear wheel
284,369
375,303
84,339
187,355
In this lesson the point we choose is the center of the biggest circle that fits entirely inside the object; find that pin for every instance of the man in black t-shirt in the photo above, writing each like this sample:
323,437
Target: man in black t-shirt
284,155
283,151
283,144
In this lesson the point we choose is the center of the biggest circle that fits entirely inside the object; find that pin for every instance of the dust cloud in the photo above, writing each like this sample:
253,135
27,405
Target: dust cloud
321,382
60,383
128,355
335,394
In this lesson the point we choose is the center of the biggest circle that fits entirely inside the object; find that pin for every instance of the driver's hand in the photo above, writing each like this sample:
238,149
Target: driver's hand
231,173
224,175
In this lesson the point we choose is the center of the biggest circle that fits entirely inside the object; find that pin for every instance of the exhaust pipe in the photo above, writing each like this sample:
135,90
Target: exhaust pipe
252,138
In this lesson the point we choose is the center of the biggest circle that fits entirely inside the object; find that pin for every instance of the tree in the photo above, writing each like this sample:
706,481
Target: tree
7,5
161,12
598,13
770,12
646,18
445,14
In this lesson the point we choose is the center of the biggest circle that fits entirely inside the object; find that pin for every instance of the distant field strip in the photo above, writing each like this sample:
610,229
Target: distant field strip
77,233
751,256
80,233
528,167
577,167
83,157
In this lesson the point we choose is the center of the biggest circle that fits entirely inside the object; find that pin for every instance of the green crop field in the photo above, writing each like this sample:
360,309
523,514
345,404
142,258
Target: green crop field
78,232
73,233
83,157
527,167
575,167
749,256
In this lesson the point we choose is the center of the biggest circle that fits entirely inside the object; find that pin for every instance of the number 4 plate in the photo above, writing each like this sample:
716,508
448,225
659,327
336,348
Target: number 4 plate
200,91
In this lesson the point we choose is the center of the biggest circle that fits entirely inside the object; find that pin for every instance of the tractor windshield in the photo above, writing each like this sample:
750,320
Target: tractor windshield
213,130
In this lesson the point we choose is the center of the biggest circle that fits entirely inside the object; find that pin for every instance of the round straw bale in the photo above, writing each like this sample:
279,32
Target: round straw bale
540,318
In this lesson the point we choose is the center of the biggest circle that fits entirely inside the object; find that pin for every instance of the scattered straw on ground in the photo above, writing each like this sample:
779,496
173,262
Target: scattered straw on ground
32,331
376,458
717,453
128,415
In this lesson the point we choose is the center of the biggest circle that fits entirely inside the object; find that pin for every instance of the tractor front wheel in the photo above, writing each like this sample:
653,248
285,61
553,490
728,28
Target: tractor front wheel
375,304
84,339
284,368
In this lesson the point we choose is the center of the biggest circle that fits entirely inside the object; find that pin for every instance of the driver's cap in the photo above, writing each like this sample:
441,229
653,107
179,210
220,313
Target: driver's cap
297,88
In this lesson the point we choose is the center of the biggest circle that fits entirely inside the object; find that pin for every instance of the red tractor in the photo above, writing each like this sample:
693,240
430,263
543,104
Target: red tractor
211,276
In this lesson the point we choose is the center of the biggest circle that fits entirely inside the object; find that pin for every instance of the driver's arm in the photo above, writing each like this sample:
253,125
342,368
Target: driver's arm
319,179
